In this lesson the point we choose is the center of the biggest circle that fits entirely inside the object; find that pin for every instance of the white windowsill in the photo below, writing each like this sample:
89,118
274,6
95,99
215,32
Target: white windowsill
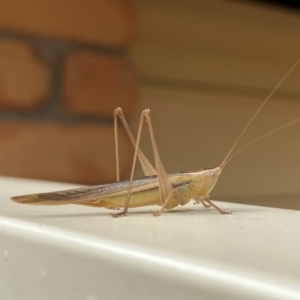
77,252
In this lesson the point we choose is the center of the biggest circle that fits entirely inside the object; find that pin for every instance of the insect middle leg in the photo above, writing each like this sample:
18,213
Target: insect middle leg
202,201
169,198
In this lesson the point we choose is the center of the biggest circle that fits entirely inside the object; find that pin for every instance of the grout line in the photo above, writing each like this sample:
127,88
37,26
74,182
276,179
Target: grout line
68,43
45,116
215,88
53,51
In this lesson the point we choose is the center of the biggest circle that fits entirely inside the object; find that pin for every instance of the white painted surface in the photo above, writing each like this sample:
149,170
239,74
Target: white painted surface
74,252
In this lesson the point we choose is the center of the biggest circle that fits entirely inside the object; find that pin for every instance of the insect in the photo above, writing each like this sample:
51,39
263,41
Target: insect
157,187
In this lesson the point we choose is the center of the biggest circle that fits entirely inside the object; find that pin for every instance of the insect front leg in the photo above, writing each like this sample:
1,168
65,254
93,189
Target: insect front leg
207,203
218,208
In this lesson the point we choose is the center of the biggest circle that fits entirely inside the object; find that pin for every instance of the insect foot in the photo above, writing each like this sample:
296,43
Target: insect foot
119,214
156,213
227,212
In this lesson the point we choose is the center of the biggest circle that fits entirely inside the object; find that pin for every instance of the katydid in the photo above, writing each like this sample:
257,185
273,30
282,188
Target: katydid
157,187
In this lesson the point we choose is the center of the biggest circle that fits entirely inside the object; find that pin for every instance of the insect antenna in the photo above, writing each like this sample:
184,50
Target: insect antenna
228,157
279,128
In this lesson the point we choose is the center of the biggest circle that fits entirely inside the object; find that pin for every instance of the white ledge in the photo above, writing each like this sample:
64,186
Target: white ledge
77,252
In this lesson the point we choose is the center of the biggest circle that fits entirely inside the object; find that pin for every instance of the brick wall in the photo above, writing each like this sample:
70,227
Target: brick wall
63,69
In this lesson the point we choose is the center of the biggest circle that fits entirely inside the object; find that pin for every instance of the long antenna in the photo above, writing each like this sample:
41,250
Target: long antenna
279,128
256,113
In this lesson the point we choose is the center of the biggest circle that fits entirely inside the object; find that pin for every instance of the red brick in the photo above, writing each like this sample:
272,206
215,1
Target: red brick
24,78
110,22
60,152
97,84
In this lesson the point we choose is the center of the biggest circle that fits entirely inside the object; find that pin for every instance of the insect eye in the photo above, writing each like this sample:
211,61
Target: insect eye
213,174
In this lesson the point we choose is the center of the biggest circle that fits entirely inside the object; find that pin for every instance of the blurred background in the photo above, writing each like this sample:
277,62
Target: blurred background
202,67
